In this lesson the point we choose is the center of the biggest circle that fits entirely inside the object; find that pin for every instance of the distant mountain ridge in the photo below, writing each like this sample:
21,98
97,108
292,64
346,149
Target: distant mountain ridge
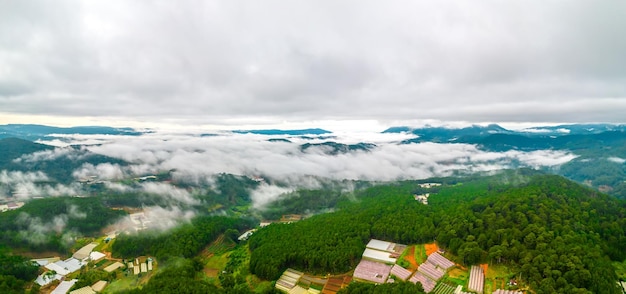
334,148
13,148
600,148
58,168
35,132
270,132
477,130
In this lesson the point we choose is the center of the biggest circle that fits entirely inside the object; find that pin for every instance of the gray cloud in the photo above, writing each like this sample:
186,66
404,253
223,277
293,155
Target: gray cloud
203,62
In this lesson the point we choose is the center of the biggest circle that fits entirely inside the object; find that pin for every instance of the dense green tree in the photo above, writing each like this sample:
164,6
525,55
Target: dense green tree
184,241
560,235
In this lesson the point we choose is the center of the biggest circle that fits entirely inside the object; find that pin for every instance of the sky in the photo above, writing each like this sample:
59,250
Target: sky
338,64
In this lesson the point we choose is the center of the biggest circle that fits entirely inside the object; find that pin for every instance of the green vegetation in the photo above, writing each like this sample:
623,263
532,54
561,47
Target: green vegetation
186,240
46,224
90,277
620,269
59,168
397,287
181,276
16,272
559,235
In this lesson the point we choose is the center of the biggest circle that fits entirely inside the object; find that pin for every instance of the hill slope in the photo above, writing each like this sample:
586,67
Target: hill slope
557,234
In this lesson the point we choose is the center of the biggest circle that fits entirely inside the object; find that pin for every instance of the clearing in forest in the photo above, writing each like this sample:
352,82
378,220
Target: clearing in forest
496,277
219,246
431,248
484,267
410,257
458,276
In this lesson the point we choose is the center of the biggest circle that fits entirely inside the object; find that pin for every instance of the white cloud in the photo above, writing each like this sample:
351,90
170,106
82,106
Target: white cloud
197,159
169,192
265,194
103,171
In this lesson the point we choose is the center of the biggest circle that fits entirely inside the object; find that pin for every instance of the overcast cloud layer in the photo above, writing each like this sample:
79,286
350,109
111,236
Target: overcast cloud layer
207,62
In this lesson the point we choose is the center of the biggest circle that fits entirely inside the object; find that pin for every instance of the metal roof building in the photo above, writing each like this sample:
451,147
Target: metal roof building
477,279
64,287
372,271
400,272
84,252
380,256
440,261
426,282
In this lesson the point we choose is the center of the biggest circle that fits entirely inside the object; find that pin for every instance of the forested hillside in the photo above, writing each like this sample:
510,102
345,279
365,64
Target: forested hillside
53,223
560,236
58,167
184,241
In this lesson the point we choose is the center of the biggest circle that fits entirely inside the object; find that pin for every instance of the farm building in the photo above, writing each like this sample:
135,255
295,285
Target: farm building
298,290
380,256
380,245
431,271
149,264
64,287
426,282
246,235
500,291
96,256
440,261
422,198
372,271
383,251
400,272
144,267
65,267
99,286
385,246
84,290
477,279
45,261
288,280
84,252
45,279
140,220
113,267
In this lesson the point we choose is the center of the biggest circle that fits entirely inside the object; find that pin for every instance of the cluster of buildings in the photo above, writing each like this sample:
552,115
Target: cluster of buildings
142,265
379,266
423,198
57,269
296,282
429,185
65,286
10,206
139,220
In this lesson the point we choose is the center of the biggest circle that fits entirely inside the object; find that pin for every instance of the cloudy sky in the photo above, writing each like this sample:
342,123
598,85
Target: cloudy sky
292,62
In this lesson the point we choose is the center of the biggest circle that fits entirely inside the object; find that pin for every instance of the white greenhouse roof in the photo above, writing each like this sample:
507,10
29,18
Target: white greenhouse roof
380,245
377,255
